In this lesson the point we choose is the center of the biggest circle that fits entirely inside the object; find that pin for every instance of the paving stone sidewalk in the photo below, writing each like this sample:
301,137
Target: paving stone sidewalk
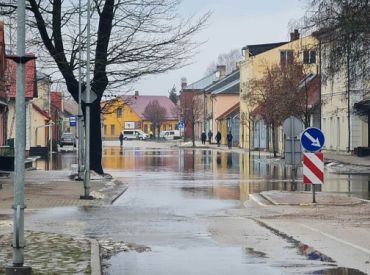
44,189
50,253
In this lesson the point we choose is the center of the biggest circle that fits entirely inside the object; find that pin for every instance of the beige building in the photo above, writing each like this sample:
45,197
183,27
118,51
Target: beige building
344,130
254,133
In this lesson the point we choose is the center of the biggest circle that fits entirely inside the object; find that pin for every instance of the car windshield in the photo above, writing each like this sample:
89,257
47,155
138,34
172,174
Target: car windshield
68,135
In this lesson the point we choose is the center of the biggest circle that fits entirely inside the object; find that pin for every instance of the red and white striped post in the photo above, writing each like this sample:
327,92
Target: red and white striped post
313,169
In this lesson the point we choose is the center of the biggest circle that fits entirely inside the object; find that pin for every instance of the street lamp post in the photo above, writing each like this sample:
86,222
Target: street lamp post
20,144
80,116
87,195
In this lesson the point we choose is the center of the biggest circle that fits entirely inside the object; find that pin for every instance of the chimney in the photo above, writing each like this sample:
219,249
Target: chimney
136,93
221,69
294,35
183,83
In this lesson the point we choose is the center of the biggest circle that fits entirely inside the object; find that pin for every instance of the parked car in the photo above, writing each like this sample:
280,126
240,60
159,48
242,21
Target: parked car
134,134
168,135
67,139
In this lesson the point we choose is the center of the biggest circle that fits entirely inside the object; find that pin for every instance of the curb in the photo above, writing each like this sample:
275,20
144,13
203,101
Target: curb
119,194
95,257
271,200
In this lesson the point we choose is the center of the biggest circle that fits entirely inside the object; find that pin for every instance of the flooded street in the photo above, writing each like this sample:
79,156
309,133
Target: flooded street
183,206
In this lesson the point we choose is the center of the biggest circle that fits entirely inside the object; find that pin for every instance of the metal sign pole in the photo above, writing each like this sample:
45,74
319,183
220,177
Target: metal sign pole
87,113
20,144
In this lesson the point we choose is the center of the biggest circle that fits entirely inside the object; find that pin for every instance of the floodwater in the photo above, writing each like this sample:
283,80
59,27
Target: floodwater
241,168
173,197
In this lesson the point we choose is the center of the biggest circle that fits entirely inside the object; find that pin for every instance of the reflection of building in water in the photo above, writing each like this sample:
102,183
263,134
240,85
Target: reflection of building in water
133,159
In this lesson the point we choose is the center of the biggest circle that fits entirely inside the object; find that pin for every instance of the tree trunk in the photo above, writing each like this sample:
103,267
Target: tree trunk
95,136
273,140
193,133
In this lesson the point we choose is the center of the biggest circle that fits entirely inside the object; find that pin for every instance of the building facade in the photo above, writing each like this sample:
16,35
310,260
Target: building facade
254,133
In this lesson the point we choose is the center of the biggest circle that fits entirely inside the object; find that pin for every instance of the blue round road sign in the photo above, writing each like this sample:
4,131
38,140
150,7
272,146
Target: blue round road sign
312,139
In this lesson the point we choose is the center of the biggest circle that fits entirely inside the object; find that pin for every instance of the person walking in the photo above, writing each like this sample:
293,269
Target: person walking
229,138
203,137
121,139
218,138
210,136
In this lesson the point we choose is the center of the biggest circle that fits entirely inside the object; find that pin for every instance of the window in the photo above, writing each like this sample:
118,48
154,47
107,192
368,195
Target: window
169,127
286,57
119,112
309,57
105,130
113,129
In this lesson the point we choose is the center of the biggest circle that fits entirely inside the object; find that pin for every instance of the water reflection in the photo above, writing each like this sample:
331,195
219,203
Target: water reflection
250,173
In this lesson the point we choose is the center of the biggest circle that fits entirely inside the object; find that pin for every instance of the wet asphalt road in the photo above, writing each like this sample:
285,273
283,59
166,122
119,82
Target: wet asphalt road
173,197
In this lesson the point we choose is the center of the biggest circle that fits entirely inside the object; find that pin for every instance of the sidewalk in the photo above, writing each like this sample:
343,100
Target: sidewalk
48,189
305,199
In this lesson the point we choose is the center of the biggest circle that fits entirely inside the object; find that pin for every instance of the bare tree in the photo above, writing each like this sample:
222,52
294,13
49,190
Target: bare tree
156,114
343,28
275,95
228,59
191,106
130,39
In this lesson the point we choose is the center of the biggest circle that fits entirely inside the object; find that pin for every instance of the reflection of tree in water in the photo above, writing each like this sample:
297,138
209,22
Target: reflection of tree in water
189,161
229,160
218,159
155,159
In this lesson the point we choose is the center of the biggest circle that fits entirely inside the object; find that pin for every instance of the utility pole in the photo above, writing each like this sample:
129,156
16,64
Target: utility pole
79,116
20,144
87,195
50,127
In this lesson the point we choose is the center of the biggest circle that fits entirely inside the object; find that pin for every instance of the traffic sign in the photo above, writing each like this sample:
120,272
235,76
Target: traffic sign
292,126
181,125
313,168
72,121
312,139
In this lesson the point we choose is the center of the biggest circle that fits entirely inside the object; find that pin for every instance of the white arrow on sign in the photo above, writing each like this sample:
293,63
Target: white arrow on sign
315,142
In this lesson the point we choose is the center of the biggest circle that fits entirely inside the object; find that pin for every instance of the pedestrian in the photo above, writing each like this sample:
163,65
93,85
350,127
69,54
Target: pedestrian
229,138
121,139
218,138
203,137
151,134
210,136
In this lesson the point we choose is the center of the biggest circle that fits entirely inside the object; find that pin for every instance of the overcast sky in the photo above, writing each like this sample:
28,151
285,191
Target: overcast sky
233,24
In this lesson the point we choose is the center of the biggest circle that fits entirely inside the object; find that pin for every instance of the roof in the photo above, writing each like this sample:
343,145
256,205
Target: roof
30,78
139,103
254,50
39,110
232,111
203,82
70,107
228,85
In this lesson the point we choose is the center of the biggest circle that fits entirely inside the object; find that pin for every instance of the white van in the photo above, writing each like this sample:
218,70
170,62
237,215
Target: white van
134,134
168,135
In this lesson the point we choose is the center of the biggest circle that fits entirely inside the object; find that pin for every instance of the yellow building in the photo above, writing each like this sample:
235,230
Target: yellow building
256,59
127,112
